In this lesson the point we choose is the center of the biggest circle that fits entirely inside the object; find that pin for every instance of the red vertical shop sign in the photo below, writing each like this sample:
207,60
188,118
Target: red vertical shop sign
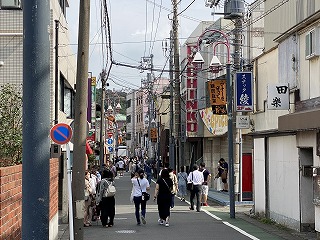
191,96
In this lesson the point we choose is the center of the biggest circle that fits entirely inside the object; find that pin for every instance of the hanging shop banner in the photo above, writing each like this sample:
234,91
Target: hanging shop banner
244,92
278,96
216,124
218,92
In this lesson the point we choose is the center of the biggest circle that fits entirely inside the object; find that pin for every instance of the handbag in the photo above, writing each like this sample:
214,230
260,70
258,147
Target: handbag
86,195
110,191
145,196
224,175
190,184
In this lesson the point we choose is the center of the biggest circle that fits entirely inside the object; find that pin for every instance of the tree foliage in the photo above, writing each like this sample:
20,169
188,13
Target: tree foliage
10,125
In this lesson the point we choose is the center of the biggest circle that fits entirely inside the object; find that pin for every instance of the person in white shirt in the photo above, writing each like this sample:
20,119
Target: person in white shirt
196,177
121,166
140,184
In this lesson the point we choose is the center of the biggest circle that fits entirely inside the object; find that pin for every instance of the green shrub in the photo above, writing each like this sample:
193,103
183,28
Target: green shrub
10,125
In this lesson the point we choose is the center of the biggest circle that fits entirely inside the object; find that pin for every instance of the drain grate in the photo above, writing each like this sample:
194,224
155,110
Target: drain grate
126,231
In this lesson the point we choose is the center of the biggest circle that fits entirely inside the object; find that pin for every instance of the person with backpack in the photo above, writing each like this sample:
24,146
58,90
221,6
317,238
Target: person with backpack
106,203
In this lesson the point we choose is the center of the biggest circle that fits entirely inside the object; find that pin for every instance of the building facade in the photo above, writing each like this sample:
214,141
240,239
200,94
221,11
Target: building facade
286,156
62,67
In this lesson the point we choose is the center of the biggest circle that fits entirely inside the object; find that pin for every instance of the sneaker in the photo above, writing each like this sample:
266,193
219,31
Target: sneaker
143,220
160,221
138,224
205,204
167,224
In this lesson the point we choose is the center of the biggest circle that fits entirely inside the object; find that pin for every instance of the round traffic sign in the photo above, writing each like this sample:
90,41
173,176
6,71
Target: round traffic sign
61,133
110,149
110,141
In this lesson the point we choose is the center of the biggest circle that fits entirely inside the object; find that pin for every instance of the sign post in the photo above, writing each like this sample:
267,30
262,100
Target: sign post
61,133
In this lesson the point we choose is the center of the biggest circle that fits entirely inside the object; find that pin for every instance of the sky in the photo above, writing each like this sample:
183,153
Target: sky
138,29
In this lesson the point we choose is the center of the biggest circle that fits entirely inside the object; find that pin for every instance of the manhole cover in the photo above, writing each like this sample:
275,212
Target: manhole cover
126,231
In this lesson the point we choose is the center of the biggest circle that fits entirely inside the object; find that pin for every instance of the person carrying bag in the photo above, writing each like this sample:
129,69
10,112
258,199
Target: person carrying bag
140,195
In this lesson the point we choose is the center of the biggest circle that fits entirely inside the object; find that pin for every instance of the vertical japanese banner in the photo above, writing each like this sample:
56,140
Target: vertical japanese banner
244,92
93,101
278,96
218,96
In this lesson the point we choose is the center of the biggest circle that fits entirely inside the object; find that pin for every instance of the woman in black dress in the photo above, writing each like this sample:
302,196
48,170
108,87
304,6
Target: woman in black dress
163,195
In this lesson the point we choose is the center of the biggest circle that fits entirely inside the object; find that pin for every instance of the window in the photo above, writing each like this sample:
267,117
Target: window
66,98
129,103
10,4
129,119
68,102
312,43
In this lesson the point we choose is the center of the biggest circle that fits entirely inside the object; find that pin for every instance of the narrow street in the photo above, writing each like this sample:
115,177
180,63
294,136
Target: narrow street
213,222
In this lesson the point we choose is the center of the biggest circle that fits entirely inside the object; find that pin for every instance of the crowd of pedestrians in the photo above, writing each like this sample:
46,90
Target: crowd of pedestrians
100,202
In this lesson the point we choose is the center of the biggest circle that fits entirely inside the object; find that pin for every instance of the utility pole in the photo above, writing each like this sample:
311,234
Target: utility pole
102,121
80,126
171,137
235,14
56,80
36,120
177,84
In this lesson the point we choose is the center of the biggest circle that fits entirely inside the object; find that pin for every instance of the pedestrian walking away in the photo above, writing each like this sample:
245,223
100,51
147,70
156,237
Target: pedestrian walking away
196,177
106,203
140,185
163,195
175,185
205,186
182,183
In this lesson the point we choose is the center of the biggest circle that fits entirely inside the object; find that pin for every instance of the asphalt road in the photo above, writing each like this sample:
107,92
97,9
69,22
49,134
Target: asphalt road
213,222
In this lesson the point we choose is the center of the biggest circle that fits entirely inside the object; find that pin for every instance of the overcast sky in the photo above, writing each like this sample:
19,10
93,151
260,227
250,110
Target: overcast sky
138,28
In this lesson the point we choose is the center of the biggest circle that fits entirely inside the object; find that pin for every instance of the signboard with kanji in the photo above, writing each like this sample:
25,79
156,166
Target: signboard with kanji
153,134
218,92
218,96
278,96
244,92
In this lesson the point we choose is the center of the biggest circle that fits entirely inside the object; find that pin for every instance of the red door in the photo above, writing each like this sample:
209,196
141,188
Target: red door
247,177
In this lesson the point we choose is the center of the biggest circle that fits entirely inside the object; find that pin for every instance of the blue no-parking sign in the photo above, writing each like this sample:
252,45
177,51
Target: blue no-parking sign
61,133
110,149
110,141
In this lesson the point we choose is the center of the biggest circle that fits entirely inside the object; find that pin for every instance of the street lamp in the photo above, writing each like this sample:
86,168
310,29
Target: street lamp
215,66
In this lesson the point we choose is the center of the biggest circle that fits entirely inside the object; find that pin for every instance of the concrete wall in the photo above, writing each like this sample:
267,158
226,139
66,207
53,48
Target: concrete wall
284,181
259,191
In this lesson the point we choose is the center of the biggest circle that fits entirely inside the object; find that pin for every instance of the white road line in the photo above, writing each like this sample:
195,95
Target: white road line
211,215
241,231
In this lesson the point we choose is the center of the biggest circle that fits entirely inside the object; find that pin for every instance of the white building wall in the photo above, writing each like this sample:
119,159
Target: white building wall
284,181
259,191
309,70
267,72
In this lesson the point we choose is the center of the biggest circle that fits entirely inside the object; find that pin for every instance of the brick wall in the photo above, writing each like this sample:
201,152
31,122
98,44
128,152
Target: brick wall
54,177
10,202
11,199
